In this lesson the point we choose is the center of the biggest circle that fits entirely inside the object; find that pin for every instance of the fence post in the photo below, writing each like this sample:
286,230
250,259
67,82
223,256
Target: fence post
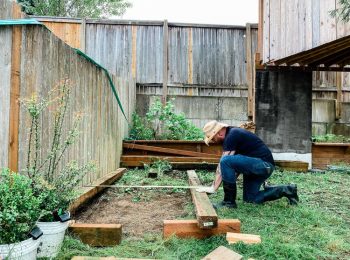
249,70
165,61
83,35
15,89
338,103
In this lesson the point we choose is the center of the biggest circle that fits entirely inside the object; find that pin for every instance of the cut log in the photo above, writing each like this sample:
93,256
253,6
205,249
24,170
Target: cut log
245,238
90,192
168,150
97,234
205,212
189,228
223,253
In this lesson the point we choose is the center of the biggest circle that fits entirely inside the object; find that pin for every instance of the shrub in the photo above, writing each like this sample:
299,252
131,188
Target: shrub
161,122
57,185
19,207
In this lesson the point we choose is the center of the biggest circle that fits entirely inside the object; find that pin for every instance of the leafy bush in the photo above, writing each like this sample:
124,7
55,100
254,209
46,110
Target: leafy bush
161,166
330,138
56,185
161,122
19,207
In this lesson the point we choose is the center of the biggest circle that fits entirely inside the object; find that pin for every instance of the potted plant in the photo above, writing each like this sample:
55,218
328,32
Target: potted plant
54,182
19,212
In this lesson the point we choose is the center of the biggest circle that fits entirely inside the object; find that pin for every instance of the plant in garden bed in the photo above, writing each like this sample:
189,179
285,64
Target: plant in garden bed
161,122
159,166
330,138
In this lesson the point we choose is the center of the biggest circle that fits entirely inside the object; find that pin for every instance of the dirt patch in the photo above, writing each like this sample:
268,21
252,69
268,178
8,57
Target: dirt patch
138,213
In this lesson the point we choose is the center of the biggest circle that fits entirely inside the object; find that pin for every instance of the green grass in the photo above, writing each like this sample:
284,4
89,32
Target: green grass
318,228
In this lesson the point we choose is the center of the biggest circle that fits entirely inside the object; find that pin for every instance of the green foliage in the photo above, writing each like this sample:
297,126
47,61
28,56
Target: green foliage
161,122
161,166
330,138
343,12
76,8
57,186
141,130
318,228
19,207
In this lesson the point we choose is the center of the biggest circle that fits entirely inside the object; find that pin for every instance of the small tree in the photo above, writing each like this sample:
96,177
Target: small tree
75,8
56,185
343,12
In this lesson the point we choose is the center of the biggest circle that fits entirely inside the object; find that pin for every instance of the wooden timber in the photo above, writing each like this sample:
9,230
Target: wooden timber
97,234
222,253
324,154
245,238
90,192
205,212
189,228
168,150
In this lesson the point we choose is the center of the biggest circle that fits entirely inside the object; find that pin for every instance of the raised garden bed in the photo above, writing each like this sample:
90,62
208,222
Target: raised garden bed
324,154
184,154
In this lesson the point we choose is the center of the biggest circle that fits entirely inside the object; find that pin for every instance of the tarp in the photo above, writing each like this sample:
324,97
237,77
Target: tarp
13,22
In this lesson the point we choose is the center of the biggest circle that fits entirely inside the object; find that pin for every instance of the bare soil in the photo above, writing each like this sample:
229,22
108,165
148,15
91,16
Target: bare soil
139,213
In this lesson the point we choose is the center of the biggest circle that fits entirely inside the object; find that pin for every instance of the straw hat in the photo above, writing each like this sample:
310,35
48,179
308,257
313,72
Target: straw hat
211,129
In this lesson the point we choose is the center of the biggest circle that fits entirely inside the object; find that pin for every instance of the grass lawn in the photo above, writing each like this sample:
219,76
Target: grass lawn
318,228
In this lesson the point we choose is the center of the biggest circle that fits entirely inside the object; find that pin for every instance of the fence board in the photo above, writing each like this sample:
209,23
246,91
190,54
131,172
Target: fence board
45,60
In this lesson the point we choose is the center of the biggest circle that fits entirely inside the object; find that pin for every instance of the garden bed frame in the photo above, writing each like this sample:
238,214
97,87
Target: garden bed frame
184,154
324,154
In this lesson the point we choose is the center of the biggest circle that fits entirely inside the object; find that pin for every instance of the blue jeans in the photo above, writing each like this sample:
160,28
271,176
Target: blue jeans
255,171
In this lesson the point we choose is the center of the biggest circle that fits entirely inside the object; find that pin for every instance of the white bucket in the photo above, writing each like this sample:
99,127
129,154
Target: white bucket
52,238
25,250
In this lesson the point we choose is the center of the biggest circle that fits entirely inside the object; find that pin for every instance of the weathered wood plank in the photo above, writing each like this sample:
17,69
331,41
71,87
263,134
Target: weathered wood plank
189,228
205,212
90,192
222,253
97,234
245,238
168,150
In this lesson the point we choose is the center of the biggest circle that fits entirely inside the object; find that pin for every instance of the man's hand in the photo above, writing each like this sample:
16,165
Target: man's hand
209,190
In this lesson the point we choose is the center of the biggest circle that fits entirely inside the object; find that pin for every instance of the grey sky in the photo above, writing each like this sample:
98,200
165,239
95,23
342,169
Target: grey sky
231,12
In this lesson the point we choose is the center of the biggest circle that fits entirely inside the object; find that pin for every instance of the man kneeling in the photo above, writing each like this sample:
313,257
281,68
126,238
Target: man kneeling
244,153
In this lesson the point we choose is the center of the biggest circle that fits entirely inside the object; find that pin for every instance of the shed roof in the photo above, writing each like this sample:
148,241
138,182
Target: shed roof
331,56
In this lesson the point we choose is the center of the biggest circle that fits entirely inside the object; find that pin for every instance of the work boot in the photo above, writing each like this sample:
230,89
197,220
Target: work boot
278,191
230,193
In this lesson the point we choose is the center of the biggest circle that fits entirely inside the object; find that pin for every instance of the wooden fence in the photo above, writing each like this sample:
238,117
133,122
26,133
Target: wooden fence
33,60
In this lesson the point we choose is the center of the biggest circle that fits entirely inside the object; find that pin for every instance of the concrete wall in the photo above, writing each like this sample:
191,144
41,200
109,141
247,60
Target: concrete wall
229,105
283,112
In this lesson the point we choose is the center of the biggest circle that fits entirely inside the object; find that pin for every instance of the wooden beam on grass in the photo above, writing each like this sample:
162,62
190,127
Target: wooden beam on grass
222,253
188,228
168,150
105,258
205,212
90,192
97,234
245,238
296,166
